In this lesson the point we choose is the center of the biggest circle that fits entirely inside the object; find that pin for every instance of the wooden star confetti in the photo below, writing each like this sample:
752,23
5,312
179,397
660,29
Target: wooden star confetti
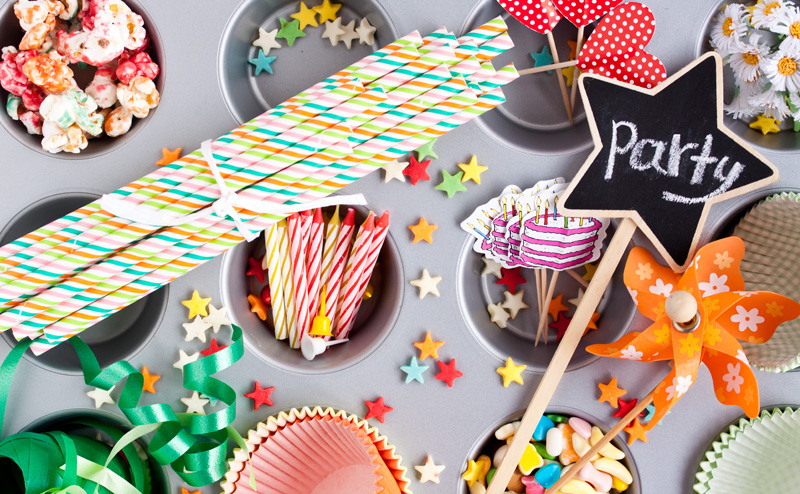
472,170
196,329
377,409
393,170
306,16
448,372
168,156
266,40
257,307
577,300
610,392
349,34
490,266
260,396
290,31
514,303
427,284
195,404
196,305
327,11
262,63
592,323
414,371
423,231
428,347
101,396
573,49
216,318
416,170
184,359
636,431
511,372
429,472
511,278
569,74
498,315
212,348
366,32
149,380
556,307
590,269
333,30
765,125
560,325
427,150
451,184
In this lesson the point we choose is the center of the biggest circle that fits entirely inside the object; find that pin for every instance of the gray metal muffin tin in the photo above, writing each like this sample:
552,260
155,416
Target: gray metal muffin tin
202,46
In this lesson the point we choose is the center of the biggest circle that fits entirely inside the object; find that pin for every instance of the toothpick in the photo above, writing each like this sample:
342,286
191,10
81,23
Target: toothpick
560,77
538,273
578,46
578,278
546,306
546,68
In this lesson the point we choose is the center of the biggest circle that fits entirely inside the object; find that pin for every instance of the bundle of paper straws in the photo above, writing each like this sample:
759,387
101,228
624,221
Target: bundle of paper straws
89,264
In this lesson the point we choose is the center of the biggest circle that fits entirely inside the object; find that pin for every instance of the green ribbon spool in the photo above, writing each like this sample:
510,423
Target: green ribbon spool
195,446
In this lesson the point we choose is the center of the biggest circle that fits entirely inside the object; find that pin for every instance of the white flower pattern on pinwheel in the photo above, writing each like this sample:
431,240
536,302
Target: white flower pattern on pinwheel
733,379
747,319
630,353
683,385
634,294
716,284
741,356
671,389
661,288
697,262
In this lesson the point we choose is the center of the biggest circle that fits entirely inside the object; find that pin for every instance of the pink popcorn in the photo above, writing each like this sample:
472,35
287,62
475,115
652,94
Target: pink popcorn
12,78
139,65
33,122
32,97
103,44
71,44
102,88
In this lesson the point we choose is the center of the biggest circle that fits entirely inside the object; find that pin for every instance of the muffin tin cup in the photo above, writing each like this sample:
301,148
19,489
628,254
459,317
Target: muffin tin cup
533,119
375,320
118,337
297,67
488,436
11,34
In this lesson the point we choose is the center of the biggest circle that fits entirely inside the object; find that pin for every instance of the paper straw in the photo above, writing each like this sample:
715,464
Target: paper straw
297,255
272,257
352,277
314,260
340,259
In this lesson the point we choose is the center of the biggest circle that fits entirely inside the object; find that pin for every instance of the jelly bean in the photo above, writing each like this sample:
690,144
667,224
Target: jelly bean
139,96
499,455
530,460
515,484
532,486
581,446
139,65
601,481
576,486
477,488
614,468
118,122
102,88
557,418
485,464
13,106
554,442
542,450
56,139
490,475
568,454
548,475
73,107
545,424
50,72
30,13
618,484
581,426
609,450
33,122
506,431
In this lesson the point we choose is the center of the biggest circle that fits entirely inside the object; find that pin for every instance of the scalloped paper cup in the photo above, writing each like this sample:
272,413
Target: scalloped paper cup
771,233
316,451
758,455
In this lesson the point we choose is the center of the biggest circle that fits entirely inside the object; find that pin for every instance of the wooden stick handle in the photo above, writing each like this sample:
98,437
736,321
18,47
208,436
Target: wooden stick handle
561,84
563,354
578,46
545,68
546,306
578,278
610,435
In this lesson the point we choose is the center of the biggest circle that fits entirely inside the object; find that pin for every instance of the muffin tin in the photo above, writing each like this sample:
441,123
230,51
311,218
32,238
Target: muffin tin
203,48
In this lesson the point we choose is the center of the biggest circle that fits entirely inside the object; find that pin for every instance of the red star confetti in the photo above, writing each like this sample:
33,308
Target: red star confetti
260,396
377,409
256,270
561,325
266,296
417,171
626,406
448,372
213,348
511,278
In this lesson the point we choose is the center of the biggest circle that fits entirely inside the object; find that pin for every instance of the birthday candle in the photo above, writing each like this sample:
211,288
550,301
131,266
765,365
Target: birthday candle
298,256
338,264
331,234
314,259
276,284
352,276
288,283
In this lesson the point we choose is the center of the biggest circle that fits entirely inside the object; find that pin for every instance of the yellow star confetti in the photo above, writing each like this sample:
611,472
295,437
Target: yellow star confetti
766,125
327,11
511,373
472,170
306,16
196,305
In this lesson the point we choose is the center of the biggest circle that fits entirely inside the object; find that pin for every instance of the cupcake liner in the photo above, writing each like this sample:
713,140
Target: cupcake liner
772,263
316,451
754,455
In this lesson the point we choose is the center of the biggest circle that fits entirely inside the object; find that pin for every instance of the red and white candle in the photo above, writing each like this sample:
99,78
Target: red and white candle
352,277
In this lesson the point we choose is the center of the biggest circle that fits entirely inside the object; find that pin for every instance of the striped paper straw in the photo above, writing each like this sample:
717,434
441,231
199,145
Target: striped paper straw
352,277
314,261
272,257
339,262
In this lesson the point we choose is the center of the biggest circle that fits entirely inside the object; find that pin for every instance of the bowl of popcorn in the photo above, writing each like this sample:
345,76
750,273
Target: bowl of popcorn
75,71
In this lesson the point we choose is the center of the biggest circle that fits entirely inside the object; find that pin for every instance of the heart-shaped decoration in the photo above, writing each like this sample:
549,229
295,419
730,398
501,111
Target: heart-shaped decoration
584,12
616,47
539,15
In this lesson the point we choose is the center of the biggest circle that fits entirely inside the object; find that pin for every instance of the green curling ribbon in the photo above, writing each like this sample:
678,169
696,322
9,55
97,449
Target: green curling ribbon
195,446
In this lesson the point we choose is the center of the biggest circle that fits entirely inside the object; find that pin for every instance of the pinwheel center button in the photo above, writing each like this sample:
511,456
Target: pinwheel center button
681,307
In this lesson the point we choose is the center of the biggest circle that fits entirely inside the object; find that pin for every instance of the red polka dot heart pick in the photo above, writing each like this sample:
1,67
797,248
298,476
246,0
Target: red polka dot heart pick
616,47
584,12
539,15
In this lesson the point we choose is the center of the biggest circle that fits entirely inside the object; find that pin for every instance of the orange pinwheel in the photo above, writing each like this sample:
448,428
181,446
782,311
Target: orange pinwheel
726,314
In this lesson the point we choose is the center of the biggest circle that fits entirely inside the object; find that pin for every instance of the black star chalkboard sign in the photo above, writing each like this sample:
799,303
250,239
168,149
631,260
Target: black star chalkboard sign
663,156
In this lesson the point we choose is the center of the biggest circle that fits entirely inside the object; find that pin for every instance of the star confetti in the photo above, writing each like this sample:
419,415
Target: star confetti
451,184
333,31
184,359
590,269
101,397
543,58
498,315
366,32
556,306
417,170
196,329
349,34
592,323
393,170
765,125
213,348
472,170
195,404
448,372
636,431
290,31
511,373
306,16
266,40
561,325
428,347
610,392
216,318
260,396
429,472
490,266
377,409
427,284
149,380
196,305
427,150
626,406
262,63
514,303
257,307
511,278
577,300
255,269
168,156
414,371
327,11
423,231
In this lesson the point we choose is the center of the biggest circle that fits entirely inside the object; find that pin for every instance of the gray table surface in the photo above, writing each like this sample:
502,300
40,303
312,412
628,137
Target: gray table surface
429,418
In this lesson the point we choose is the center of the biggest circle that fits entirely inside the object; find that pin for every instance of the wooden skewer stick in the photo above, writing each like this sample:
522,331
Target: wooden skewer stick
545,68
538,274
610,435
558,364
578,278
560,77
578,46
546,306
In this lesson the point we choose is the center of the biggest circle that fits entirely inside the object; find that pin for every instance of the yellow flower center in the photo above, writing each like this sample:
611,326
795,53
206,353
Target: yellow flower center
794,30
750,58
787,66
727,27
768,8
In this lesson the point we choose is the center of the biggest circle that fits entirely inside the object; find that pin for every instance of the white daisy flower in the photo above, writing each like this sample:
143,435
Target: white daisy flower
782,70
772,104
789,25
794,99
745,103
766,15
745,59
730,28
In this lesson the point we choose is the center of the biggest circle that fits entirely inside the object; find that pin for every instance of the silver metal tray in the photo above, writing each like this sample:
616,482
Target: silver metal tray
207,90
